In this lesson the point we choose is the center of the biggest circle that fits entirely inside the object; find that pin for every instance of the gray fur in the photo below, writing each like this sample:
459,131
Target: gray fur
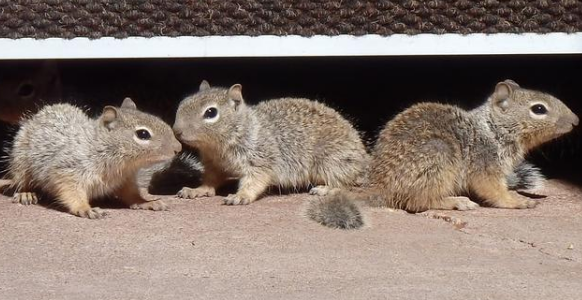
525,176
335,211
432,156
476,149
288,142
168,177
62,152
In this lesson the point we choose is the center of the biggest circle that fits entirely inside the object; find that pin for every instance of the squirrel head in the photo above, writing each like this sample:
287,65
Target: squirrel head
25,87
141,137
211,115
535,116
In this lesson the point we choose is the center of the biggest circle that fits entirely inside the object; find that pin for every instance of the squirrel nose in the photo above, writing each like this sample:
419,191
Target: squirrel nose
177,147
575,120
177,131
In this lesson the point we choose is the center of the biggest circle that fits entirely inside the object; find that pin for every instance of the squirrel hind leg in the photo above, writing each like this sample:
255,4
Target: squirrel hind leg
76,202
336,211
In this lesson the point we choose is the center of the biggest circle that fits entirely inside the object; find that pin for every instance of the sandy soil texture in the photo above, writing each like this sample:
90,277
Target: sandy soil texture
200,249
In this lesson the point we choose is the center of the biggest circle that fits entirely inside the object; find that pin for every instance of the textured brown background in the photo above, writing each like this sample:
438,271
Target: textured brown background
94,19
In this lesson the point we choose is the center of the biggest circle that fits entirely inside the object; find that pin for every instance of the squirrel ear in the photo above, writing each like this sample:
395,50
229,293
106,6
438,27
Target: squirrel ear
235,94
512,83
503,91
109,116
128,103
204,85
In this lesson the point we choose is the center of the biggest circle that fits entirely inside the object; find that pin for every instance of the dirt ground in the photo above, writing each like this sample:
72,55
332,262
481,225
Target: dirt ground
200,249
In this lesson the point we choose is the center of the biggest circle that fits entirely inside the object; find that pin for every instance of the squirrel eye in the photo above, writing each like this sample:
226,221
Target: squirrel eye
539,109
210,113
143,134
26,90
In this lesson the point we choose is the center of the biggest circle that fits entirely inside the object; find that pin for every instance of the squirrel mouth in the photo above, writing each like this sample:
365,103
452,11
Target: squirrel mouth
190,141
563,130
160,158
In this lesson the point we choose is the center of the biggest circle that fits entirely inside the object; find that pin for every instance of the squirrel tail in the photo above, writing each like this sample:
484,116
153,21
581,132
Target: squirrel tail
341,209
525,176
168,177
336,211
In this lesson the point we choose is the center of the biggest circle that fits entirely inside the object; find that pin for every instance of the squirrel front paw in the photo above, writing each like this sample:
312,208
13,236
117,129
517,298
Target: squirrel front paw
464,203
156,205
25,198
320,190
518,204
234,199
527,204
145,195
91,213
189,193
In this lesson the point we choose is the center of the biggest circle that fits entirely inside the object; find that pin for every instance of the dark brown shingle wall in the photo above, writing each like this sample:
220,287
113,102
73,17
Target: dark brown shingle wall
94,19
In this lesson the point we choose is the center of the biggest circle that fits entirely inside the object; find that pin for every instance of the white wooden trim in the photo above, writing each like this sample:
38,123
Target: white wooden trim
292,46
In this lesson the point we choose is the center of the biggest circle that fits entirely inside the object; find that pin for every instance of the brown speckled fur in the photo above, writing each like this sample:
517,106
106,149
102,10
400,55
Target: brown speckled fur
61,152
433,156
289,142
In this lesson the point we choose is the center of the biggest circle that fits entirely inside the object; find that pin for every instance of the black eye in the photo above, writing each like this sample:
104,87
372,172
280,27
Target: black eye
26,90
143,134
539,109
210,113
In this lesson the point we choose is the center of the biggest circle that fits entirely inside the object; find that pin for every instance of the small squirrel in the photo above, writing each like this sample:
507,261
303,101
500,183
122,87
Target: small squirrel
62,152
432,156
25,86
288,142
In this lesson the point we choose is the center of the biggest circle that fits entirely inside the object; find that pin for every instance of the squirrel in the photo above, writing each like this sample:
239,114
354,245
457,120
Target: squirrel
62,152
432,156
287,142
24,86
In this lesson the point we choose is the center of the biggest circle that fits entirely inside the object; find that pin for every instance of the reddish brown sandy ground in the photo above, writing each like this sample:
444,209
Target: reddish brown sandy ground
268,250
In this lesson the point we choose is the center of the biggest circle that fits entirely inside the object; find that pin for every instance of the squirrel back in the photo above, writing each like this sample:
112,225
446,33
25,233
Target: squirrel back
62,152
432,156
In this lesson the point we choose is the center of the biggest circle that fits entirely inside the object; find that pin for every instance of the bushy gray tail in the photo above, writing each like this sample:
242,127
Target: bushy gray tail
525,176
167,178
336,210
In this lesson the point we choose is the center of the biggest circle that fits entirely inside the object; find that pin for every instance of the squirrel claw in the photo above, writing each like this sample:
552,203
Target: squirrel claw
92,213
525,204
320,190
234,199
530,204
465,203
151,198
156,205
520,204
147,196
25,198
189,193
